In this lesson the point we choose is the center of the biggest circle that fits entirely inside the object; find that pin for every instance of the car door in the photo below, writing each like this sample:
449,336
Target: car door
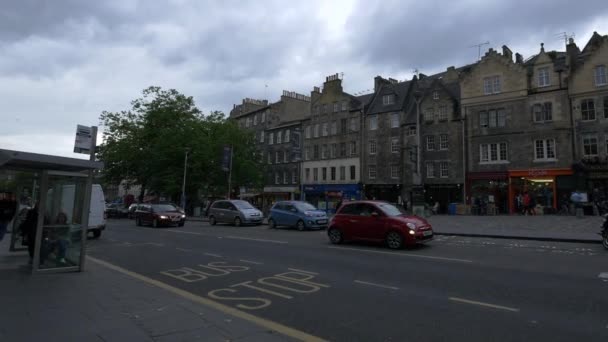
290,214
347,220
372,222
220,211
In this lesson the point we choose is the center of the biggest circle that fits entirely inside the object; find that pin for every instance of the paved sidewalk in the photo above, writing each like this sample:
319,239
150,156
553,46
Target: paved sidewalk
544,228
104,305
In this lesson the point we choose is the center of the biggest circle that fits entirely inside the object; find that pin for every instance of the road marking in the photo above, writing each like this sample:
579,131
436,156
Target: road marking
251,262
467,301
603,275
153,244
298,270
377,285
213,255
184,250
252,239
262,322
186,232
403,254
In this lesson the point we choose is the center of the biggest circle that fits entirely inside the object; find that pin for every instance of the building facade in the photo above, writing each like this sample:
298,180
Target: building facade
519,130
588,90
382,152
331,167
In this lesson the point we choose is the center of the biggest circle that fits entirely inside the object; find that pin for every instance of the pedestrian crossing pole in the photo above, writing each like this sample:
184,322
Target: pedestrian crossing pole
230,173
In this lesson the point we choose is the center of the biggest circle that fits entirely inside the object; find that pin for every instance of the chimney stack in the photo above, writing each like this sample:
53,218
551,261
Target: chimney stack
507,52
519,59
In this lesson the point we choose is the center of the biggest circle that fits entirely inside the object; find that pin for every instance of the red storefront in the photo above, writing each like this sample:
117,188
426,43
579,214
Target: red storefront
542,184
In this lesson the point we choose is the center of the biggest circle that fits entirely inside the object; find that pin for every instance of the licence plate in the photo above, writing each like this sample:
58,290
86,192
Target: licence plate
322,221
427,232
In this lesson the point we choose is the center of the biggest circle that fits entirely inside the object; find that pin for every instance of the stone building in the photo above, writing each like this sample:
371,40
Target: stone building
588,90
518,130
332,137
442,145
277,132
382,157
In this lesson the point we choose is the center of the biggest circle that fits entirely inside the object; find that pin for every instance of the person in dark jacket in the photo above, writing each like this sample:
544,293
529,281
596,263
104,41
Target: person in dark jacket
28,229
8,209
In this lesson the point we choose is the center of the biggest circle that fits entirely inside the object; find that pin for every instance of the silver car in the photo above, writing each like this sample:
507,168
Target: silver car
236,212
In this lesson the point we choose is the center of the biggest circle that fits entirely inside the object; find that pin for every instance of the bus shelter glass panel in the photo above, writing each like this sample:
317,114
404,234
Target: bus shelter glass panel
61,244
18,193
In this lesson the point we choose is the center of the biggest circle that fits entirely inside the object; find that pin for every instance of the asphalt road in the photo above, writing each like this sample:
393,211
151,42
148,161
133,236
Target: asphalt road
454,289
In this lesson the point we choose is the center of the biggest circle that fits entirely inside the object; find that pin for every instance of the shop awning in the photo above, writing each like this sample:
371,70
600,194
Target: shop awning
33,161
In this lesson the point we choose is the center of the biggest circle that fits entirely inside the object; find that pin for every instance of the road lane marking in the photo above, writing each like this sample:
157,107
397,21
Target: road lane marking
184,250
250,262
298,270
403,254
154,244
253,239
187,232
467,301
377,285
262,322
213,255
603,275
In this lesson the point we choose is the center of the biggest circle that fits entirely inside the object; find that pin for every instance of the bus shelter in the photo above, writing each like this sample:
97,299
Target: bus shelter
53,194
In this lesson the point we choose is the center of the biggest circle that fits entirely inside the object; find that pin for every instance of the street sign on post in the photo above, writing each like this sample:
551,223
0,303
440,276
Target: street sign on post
84,139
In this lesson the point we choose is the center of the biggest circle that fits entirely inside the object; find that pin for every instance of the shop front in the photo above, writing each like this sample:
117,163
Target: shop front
327,196
488,192
545,187
53,199
273,194
383,192
444,194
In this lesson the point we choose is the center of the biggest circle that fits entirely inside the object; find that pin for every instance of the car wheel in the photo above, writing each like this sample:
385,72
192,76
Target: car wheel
394,240
96,234
212,221
155,223
335,236
272,224
138,221
605,241
237,221
300,225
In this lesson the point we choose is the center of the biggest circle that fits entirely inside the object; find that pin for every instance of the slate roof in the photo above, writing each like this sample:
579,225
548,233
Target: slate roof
400,90
558,58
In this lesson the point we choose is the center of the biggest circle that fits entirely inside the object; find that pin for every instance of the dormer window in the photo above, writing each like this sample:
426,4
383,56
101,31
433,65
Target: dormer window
543,77
388,99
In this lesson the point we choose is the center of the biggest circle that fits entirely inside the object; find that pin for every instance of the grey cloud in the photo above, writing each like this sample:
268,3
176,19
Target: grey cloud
429,34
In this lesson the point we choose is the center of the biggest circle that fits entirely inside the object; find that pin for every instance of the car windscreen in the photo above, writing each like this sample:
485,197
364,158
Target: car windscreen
303,206
163,207
243,205
390,210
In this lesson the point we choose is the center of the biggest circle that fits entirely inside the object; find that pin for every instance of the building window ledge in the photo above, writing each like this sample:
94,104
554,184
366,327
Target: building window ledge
545,160
494,162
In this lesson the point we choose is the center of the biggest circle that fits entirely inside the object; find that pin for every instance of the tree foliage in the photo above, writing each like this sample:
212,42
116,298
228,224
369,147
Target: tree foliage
146,145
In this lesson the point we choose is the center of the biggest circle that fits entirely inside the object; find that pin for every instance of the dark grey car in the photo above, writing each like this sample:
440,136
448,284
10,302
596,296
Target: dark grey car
236,212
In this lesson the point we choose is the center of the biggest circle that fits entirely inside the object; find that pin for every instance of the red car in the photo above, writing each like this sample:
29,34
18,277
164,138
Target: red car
378,221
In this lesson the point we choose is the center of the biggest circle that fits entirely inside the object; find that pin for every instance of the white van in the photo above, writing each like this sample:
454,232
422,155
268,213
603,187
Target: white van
97,219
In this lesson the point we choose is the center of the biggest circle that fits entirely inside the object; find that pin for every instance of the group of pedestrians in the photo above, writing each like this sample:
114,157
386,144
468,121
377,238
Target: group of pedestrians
526,203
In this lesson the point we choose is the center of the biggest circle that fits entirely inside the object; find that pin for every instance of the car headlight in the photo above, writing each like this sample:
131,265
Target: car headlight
163,217
412,232
183,216
410,225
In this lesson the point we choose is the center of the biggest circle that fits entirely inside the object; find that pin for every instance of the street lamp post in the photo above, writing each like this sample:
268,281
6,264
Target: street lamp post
183,202
417,96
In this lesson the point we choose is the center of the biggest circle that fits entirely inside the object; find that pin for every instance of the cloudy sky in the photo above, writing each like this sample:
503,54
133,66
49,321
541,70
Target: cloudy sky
62,62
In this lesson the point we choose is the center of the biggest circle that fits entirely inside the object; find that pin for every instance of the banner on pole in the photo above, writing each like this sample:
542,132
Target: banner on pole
226,156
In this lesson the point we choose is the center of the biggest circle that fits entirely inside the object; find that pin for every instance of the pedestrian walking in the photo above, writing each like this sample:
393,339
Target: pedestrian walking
526,204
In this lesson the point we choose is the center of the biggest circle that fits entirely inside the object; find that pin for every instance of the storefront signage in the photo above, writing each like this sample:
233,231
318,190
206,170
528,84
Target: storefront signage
537,173
280,188
534,173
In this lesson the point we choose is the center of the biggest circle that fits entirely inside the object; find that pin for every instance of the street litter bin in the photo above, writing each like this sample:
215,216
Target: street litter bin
452,209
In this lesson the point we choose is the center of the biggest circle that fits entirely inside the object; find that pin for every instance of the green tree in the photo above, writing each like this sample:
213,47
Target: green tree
146,145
